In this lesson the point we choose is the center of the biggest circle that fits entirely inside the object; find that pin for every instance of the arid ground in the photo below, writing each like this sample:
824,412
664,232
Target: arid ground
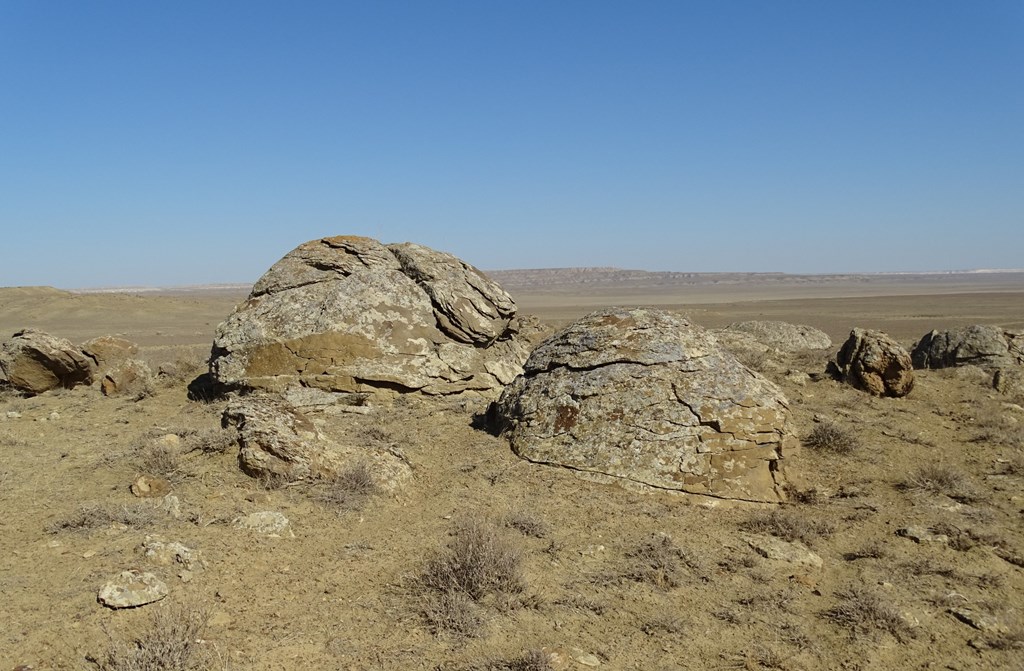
593,575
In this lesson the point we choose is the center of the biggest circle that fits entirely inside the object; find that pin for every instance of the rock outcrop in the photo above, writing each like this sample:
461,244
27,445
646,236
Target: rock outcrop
646,397
277,440
783,336
875,363
349,314
33,362
978,345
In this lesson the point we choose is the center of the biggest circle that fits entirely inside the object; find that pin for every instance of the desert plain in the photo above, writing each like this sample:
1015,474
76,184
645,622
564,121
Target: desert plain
915,510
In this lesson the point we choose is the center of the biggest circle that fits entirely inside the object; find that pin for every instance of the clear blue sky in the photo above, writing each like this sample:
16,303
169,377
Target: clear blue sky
184,142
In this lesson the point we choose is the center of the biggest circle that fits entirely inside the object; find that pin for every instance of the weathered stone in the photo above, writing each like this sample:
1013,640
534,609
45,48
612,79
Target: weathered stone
34,362
784,336
980,345
793,552
349,314
278,440
646,397
108,351
875,363
132,588
130,376
266,522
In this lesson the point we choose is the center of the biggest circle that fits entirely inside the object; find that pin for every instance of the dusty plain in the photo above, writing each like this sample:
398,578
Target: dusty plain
612,578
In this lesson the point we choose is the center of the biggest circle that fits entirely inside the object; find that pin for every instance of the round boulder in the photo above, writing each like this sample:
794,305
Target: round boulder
979,345
784,336
349,314
646,397
33,362
874,362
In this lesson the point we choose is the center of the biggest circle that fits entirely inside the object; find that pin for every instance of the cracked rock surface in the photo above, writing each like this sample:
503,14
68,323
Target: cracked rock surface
350,314
32,361
645,396
875,363
979,345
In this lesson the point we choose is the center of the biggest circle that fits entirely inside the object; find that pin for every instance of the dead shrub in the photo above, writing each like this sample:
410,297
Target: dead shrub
160,459
659,562
95,515
787,525
172,641
348,490
941,481
662,624
830,437
477,562
584,603
863,611
453,614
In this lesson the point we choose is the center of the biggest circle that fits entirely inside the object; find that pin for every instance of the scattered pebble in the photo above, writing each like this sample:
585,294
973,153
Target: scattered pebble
922,535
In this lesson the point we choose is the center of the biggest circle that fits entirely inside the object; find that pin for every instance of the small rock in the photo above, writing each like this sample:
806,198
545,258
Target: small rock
266,522
922,535
168,440
150,487
775,548
587,660
11,414
132,588
592,550
54,416
171,506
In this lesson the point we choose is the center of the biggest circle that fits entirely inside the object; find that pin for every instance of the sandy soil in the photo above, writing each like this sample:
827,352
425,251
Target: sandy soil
602,585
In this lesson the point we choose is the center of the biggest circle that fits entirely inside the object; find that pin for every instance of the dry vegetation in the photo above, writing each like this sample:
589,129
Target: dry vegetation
485,562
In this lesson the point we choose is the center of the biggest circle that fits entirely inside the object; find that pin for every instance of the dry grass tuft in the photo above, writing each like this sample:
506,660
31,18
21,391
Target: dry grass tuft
173,641
863,612
659,562
830,437
453,614
941,481
161,460
788,525
95,515
478,562
350,489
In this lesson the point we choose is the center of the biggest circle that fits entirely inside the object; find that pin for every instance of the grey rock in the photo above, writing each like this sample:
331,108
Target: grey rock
646,397
266,522
33,362
979,621
349,314
784,336
278,440
132,588
980,345
794,552
875,363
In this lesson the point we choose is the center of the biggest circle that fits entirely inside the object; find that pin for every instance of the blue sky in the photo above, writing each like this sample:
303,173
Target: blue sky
196,142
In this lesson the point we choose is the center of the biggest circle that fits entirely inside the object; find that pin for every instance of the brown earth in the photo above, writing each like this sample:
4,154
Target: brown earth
618,578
